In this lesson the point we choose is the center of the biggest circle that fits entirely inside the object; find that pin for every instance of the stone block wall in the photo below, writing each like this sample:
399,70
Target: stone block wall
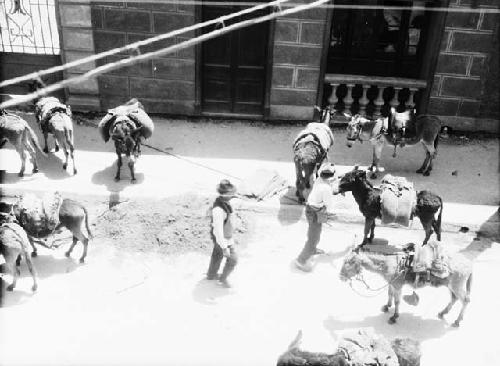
165,84
297,52
465,88
77,42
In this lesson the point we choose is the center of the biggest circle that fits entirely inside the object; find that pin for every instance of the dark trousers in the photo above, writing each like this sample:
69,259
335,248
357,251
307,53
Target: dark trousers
313,236
216,260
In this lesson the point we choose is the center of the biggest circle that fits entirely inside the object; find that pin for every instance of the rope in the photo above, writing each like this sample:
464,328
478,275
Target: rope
134,46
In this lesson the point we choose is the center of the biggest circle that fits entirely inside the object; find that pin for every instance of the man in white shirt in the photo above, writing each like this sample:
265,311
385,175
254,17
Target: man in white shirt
319,207
222,234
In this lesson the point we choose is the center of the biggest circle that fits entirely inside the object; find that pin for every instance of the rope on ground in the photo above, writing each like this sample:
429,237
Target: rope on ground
134,46
150,55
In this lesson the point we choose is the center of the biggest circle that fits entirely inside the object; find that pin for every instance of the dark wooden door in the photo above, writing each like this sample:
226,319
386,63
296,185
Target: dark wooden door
234,66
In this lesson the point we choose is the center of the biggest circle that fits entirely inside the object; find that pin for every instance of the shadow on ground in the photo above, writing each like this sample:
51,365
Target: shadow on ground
290,210
207,292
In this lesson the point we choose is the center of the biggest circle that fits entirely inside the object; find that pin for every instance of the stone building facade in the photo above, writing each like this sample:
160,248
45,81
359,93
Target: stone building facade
462,89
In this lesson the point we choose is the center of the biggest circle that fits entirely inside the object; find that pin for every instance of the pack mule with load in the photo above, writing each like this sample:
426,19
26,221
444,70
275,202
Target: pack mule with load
398,129
54,118
42,217
126,125
310,150
16,130
397,270
369,199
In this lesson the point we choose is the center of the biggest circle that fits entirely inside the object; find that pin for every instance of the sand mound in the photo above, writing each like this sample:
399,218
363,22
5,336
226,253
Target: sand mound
171,226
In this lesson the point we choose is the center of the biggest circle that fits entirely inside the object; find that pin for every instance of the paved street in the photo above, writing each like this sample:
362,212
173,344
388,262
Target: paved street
144,308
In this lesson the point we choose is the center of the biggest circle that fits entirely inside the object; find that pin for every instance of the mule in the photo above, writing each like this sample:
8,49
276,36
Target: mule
309,154
126,136
59,124
368,199
14,244
72,215
397,275
17,131
398,129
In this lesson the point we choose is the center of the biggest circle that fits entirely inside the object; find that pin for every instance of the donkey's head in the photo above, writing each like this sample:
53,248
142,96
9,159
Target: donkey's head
354,127
326,115
125,134
351,179
351,266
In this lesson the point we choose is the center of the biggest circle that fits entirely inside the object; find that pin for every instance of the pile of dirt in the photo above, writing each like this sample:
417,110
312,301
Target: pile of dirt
171,226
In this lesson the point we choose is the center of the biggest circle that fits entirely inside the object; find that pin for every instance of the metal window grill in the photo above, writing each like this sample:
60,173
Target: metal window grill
29,26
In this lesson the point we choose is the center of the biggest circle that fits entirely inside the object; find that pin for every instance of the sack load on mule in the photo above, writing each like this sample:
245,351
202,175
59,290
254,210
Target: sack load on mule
133,110
397,199
318,133
46,107
40,216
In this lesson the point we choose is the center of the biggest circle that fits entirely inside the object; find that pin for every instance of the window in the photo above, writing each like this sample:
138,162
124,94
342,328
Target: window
384,41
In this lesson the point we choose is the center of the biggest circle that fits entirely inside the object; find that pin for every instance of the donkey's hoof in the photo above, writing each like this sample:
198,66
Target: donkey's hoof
56,148
133,180
385,308
46,150
373,175
21,174
67,254
35,170
419,171
75,171
82,260
64,166
10,287
392,319
34,254
34,288
456,324
427,173
117,179
441,315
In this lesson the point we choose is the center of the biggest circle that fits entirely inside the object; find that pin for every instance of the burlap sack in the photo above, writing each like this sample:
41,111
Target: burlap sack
323,133
397,199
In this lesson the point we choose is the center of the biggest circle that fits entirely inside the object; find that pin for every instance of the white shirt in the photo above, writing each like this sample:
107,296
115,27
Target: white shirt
321,195
218,217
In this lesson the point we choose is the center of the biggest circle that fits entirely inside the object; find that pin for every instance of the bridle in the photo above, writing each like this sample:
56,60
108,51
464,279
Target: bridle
127,143
357,129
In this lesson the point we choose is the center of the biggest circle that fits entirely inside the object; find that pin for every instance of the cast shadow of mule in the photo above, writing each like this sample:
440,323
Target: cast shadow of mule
290,210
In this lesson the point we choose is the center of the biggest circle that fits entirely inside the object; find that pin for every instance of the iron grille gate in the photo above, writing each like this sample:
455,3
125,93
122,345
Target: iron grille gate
29,26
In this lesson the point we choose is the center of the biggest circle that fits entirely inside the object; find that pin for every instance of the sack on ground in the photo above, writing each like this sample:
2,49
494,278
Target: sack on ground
397,200
134,110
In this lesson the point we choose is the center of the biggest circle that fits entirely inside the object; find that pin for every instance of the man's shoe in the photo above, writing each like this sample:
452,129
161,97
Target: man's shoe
319,251
213,277
224,283
412,299
305,267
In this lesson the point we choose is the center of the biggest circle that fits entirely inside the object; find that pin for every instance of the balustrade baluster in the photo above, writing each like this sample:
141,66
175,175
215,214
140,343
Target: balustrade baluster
333,100
411,100
363,101
348,98
395,100
379,102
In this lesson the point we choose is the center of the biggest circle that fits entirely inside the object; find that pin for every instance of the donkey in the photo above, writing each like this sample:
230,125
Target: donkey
126,136
311,150
14,243
368,199
17,131
390,268
71,214
397,129
57,121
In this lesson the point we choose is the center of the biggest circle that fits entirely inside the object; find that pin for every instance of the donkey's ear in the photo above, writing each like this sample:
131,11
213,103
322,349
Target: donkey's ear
393,110
356,167
317,108
347,115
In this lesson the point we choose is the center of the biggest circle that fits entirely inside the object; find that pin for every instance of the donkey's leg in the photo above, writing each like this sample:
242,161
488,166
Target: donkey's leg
368,227
66,154
32,271
448,307
34,253
372,234
22,156
32,152
397,300
390,297
45,137
378,146
463,296
72,151
78,235
119,165
130,163
10,257
431,153
68,252
427,224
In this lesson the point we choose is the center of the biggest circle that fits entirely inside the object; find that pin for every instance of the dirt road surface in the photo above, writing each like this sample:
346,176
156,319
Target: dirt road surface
130,306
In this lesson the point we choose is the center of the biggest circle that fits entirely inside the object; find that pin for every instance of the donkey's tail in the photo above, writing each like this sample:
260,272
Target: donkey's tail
34,139
87,222
436,142
438,223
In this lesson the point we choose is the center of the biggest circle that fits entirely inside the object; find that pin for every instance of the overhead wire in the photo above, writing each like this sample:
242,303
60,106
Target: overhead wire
146,56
